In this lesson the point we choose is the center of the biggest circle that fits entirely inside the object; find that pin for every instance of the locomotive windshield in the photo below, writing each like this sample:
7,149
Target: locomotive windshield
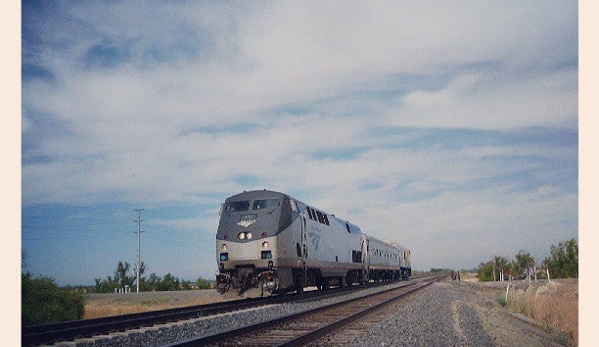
268,203
236,206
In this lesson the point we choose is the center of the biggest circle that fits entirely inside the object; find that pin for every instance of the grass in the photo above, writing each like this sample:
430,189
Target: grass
119,304
98,311
557,313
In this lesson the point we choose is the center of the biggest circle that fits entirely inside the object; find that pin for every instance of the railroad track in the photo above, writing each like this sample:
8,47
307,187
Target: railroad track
67,331
307,328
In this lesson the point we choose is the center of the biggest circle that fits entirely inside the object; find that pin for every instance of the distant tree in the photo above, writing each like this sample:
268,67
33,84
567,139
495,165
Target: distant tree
202,283
521,264
500,263
169,282
122,275
563,262
484,272
42,301
105,286
151,283
186,285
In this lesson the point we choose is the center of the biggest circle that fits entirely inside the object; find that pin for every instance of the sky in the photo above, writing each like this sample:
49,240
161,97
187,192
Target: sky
448,127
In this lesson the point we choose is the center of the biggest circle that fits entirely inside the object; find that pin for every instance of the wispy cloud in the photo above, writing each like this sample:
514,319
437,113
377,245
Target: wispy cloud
418,122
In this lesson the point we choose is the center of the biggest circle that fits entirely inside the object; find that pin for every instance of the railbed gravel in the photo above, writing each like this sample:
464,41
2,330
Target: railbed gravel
447,314
454,314
165,334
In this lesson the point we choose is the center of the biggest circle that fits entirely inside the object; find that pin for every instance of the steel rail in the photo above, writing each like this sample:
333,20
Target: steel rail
71,330
215,339
323,331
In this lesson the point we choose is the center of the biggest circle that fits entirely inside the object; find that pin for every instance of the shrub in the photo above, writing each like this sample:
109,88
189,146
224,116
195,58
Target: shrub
500,298
44,302
485,272
563,262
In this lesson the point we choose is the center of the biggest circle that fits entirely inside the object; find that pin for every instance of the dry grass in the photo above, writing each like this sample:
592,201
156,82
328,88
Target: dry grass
557,312
96,310
104,305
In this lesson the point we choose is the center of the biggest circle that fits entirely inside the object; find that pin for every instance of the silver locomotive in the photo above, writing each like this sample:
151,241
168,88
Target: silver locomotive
271,241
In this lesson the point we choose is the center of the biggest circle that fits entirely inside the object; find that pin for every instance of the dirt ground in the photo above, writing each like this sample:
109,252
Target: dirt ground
552,307
102,305
555,310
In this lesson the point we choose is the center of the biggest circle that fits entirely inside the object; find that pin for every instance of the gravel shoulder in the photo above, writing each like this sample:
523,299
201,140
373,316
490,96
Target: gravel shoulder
446,314
455,314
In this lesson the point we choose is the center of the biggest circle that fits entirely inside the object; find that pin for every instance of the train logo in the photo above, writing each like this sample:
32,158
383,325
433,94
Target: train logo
315,239
246,223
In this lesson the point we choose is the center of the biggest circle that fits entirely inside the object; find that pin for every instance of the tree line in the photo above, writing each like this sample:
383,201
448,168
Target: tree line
562,263
43,301
124,276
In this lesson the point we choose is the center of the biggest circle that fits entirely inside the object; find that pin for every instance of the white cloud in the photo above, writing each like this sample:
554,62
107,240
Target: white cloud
205,100
476,101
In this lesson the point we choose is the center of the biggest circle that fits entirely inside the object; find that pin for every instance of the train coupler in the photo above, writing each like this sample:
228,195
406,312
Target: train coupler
269,282
223,283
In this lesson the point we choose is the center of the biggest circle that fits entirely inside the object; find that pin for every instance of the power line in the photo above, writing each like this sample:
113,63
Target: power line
174,242
68,205
71,218
74,236
57,228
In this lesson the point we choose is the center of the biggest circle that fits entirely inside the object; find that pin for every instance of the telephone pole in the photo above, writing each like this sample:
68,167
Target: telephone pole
138,243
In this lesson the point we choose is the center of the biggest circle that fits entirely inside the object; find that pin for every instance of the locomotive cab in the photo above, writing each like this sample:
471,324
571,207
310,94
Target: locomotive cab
247,242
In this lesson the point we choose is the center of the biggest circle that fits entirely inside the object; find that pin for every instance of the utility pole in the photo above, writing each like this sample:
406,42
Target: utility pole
138,243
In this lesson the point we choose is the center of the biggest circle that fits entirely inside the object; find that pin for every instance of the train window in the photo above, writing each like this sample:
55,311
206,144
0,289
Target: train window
268,203
347,227
356,256
326,219
309,212
320,217
236,206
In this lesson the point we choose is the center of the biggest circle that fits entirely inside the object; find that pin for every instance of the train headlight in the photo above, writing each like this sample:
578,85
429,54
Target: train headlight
224,247
248,235
241,236
265,244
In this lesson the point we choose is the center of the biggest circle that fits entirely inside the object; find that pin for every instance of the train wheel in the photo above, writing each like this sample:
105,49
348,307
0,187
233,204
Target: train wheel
319,283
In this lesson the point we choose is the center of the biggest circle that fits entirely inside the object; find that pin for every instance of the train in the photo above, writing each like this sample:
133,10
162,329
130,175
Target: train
278,244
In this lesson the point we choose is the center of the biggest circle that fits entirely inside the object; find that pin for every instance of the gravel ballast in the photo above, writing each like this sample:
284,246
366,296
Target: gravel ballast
446,314
454,314
161,335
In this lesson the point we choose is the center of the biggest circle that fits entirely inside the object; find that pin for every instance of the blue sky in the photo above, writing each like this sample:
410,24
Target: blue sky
451,128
